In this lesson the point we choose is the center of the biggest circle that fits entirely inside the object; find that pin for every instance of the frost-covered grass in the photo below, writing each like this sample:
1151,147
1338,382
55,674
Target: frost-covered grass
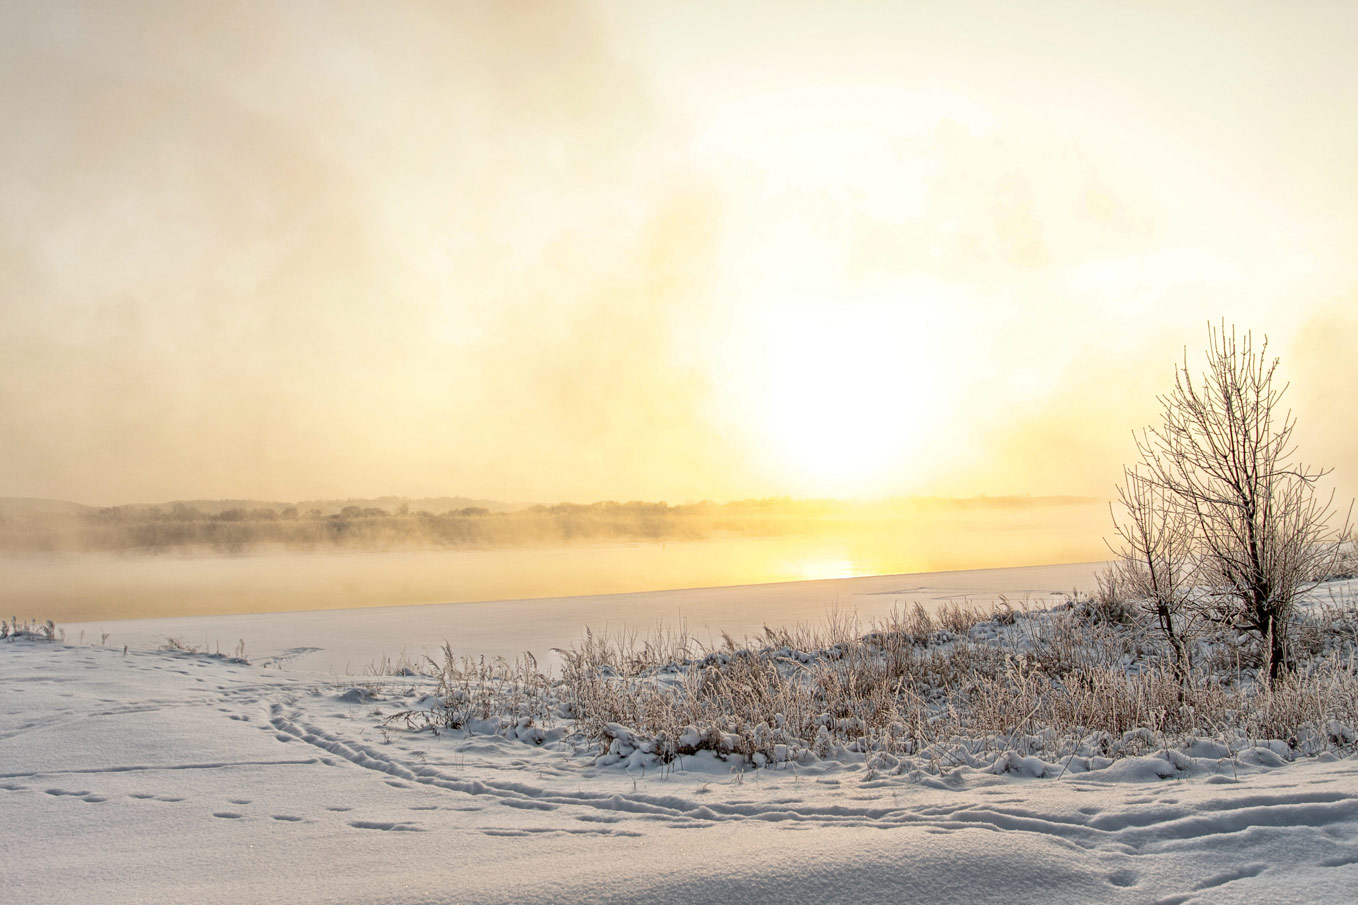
1063,690
32,630
178,645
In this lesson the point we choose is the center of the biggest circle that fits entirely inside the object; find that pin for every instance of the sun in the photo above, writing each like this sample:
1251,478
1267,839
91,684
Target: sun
840,398
838,357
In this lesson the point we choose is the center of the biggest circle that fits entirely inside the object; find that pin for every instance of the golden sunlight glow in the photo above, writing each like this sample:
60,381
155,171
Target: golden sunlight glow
832,362
822,569
837,396
606,250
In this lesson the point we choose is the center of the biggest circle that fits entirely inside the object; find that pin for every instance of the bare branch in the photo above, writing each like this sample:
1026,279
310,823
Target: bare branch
1217,499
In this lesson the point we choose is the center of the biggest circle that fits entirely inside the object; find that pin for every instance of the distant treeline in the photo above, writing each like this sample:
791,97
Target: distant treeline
210,526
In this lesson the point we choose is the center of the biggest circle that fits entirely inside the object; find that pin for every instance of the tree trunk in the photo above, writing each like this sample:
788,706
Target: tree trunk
1276,642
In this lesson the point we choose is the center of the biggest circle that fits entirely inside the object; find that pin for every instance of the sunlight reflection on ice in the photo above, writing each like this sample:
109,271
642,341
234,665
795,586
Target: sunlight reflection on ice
817,569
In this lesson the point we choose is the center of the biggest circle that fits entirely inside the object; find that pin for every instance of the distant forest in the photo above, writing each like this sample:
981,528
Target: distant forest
37,526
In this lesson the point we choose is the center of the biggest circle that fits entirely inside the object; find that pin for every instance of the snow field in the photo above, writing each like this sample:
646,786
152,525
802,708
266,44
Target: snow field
162,776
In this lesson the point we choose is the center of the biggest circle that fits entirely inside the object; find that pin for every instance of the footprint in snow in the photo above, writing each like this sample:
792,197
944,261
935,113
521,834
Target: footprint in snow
227,815
287,818
391,826
1339,861
1230,876
1123,878
528,805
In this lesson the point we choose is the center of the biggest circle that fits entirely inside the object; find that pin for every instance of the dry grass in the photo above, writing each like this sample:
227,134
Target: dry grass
962,686
474,691
31,630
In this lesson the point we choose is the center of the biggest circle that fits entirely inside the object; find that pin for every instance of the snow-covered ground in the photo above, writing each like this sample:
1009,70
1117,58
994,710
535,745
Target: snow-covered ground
166,776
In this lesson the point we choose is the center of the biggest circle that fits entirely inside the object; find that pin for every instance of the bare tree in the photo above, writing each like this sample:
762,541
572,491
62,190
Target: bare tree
1154,561
1223,456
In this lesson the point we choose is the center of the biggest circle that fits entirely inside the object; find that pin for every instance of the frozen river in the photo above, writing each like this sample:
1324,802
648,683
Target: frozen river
354,640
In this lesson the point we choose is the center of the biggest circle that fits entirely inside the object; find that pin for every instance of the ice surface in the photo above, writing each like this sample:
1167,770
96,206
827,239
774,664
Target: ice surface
351,640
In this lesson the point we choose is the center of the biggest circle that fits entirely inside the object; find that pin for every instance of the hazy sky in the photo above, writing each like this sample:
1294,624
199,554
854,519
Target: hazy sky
541,251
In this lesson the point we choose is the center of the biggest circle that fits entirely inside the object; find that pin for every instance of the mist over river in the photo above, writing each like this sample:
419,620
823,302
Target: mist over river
71,587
